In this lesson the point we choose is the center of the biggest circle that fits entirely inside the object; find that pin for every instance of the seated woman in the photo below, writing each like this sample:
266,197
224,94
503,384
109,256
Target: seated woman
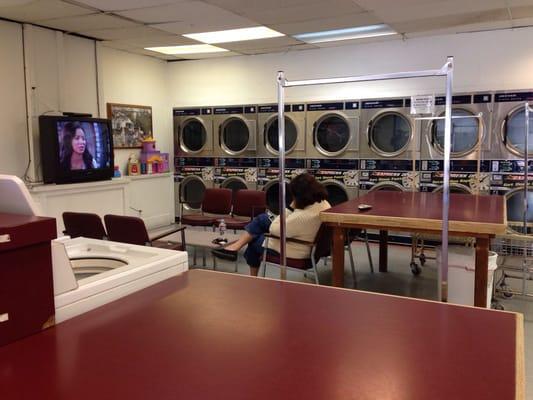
309,198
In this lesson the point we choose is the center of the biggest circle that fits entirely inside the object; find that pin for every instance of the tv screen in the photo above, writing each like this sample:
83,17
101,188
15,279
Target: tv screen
75,149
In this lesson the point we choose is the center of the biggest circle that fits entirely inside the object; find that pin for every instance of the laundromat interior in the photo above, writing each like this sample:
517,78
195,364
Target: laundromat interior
211,199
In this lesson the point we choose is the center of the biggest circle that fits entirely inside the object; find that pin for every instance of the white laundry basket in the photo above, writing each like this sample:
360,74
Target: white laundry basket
461,272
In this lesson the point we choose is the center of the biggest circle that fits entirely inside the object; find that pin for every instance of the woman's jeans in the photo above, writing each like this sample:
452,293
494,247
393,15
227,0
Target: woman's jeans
257,229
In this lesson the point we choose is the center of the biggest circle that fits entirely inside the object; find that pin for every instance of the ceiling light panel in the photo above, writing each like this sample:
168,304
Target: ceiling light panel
190,49
234,35
346,34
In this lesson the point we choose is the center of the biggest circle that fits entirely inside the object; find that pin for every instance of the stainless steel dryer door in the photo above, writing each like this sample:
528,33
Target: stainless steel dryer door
515,210
193,135
388,186
272,195
237,135
336,192
390,133
334,133
271,135
192,189
513,131
466,133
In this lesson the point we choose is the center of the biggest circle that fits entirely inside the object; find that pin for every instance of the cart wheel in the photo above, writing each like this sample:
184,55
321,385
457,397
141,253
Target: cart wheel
505,291
422,259
415,268
497,306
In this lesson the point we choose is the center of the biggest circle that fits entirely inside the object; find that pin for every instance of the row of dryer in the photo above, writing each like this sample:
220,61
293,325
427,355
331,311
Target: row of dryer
374,129
353,147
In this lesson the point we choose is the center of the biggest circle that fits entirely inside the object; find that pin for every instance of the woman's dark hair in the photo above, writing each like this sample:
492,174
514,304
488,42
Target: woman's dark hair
69,131
306,190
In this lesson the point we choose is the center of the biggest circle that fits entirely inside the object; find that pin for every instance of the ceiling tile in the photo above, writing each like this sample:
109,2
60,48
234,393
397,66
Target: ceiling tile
139,31
42,9
115,5
324,24
236,5
87,22
195,14
358,41
260,43
208,55
304,12
154,41
282,49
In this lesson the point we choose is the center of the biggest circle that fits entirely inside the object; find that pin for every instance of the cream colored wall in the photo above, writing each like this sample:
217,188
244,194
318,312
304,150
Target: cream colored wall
489,60
13,131
135,79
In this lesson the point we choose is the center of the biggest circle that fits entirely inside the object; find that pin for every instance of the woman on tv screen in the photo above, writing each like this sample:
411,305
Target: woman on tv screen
75,154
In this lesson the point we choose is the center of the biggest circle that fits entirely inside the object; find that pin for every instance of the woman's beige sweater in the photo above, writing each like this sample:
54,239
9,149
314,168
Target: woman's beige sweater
301,224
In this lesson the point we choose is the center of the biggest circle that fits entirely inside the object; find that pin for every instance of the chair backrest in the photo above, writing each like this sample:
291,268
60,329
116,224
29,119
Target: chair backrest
217,201
83,224
323,240
121,228
249,203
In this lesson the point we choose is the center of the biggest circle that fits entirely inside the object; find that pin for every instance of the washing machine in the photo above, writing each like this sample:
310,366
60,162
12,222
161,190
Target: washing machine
332,130
388,132
268,179
339,177
469,135
193,132
508,126
507,179
236,173
193,175
267,132
235,131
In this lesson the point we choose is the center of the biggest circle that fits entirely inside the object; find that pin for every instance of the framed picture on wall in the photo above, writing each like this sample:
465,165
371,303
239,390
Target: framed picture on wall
131,124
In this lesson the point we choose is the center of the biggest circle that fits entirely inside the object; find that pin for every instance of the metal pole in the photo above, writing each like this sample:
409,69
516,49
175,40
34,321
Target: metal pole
526,181
281,139
443,287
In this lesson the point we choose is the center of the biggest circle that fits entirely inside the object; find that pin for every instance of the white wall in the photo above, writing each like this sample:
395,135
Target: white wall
13,132
489,60
135,79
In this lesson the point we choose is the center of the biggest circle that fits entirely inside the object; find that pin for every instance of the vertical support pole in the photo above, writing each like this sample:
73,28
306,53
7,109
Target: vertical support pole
281,141
526,182
443,287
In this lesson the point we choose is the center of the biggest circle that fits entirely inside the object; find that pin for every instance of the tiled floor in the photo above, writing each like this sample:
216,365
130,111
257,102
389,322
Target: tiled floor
399,281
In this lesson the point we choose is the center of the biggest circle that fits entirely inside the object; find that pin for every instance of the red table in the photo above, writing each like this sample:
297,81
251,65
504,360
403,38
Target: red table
481,217
211,335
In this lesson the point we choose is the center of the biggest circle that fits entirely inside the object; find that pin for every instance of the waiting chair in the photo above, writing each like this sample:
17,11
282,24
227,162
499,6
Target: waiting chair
215,205
88,225
247,204
125,229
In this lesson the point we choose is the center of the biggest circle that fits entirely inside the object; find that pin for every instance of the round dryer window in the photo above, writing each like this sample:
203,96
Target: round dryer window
193,136
466,133
336,193
389,134
234,184
332,134
515,210
235,135
388,187
455,188
192,190
272,136
514,128
272,196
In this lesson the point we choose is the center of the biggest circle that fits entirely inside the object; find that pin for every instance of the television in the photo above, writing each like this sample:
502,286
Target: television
75,149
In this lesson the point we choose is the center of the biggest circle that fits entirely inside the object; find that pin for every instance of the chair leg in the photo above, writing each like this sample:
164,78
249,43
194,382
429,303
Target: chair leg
214,263
352,262
369,253
194,256
237,263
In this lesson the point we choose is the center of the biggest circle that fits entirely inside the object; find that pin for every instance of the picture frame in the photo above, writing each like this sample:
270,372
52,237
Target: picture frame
131,124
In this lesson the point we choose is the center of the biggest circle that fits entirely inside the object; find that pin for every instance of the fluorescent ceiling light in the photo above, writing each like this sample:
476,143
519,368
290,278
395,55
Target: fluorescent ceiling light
234,35
346,34
191,49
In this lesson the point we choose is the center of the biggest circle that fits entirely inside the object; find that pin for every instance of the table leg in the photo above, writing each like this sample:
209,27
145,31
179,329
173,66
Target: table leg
481,277
383,250
338,257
